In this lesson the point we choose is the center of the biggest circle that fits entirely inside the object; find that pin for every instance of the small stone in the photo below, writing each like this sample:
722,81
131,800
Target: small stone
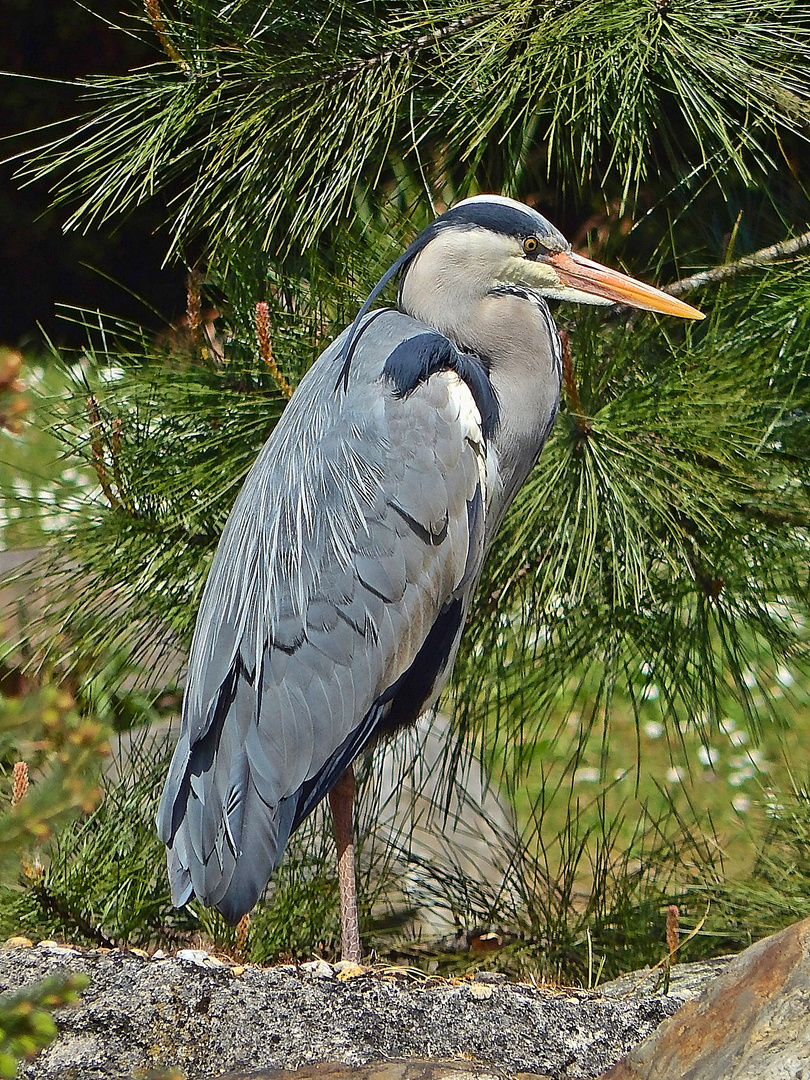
19,943
144,955
490,977
238,970
346,970
318,969
56,947
480,991
158,954
200,958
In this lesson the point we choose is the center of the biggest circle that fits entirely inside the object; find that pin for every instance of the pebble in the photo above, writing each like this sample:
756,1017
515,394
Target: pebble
318,969
55,947
200,958
346,969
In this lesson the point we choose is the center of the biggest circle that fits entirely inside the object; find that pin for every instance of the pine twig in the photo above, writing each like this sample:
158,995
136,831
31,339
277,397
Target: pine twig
194,307
405,52
156,19
266,347
98,452
782,250
570,382
58,907
432,37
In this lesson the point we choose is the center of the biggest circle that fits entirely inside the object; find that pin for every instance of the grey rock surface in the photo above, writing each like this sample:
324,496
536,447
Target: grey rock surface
207,1019
385,1070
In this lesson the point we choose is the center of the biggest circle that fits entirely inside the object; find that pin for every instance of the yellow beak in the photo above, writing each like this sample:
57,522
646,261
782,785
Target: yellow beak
585,276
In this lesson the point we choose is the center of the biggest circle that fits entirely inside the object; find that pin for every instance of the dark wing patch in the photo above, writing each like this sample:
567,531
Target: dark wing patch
415,360
474,370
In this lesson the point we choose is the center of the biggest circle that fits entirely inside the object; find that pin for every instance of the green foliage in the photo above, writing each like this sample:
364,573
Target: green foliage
103,880
267,113
60,749
43,735
26,1024
777,892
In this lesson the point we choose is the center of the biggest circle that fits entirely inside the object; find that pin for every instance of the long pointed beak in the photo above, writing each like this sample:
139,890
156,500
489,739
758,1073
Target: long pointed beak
591,277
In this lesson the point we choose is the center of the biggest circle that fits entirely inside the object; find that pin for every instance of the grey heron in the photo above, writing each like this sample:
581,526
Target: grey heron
336,600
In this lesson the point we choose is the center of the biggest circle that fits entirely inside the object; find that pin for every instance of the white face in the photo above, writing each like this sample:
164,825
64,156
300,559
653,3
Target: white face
472,262
499,242
490,259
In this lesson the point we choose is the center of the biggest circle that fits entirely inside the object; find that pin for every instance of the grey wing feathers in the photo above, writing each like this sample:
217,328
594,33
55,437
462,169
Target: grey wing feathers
360,520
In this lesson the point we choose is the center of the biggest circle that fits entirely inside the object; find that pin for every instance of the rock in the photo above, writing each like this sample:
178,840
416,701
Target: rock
55,947
140,1015
198,957
318,969
751,1023
381,1070
687,979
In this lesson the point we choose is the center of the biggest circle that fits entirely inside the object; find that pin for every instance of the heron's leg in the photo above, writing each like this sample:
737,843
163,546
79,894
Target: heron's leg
341,799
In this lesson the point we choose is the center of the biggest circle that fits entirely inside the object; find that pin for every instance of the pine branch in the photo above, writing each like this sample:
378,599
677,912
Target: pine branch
155,17
255,123
423,41
782,250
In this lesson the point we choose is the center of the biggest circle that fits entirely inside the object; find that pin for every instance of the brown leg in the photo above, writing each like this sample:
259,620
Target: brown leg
341,799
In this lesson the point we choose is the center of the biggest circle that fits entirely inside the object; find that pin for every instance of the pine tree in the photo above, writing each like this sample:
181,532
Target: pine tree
296,149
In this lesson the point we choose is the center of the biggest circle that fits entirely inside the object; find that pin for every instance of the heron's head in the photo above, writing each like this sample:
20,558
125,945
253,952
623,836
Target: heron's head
489,242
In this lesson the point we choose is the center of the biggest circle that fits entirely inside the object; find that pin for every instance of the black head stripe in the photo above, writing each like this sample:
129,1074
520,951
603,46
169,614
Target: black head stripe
500,217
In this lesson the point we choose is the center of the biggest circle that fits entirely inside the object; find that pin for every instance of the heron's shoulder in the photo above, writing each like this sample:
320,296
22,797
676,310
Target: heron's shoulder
382,334
405,354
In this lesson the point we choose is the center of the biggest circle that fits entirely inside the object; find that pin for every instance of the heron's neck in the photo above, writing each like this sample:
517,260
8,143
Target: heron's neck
513,333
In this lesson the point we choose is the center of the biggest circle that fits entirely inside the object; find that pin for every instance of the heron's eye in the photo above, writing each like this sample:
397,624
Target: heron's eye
530,245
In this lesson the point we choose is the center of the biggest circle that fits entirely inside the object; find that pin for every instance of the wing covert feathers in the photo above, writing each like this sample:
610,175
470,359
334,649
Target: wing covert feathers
358,528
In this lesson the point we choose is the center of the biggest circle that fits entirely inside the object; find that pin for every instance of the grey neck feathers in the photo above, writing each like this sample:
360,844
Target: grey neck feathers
511,329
